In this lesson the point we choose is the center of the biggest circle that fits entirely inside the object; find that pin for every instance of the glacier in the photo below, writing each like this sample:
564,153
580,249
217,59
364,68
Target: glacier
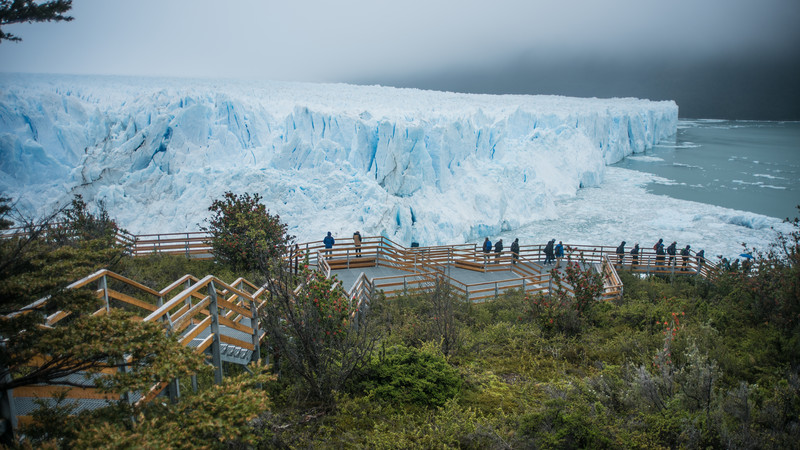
412,165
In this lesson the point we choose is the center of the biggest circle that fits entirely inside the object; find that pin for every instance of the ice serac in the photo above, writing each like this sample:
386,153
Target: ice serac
431,167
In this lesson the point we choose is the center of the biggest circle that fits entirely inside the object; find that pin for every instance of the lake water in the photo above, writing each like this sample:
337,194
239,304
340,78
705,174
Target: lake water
716,185
750,166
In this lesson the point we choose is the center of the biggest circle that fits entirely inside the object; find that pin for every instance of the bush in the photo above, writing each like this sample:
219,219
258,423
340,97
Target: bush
244,234
317,330
436,315
408,375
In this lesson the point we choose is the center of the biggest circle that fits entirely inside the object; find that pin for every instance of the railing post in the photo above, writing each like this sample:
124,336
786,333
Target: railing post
104,287
187,245
8,411
216,350
256,332
174,388
495,290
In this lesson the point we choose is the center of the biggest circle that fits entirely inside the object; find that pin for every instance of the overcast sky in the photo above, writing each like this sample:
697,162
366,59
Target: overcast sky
408,42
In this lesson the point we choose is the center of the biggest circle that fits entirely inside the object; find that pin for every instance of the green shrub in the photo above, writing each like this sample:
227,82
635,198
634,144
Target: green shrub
562,424
408,375
244,234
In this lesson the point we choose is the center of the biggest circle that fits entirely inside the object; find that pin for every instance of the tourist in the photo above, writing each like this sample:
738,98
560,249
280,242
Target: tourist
635,256
685,257
328,241
487,248
548,252
655,247
357,243
498,249
515,251
701,260
660,253
671,251
559,253
621,253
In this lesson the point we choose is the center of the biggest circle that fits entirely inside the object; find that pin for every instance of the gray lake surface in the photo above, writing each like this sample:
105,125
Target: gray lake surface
744,165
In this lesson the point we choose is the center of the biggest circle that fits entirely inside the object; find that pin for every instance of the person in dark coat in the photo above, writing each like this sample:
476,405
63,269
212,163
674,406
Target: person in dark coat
685,257
635,256
328,241
515,251
655,247
701,260
548,252
498,249
621,253
660,254
672,251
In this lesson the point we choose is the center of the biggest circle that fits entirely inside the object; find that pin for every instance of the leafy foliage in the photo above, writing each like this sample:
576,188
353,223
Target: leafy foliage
565,311
20,11
408,375
38,263
245,235
433,315
770,285
219,417
320,333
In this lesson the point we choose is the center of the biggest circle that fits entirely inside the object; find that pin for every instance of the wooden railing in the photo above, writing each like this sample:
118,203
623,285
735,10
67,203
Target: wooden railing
192,244
612,284
206,314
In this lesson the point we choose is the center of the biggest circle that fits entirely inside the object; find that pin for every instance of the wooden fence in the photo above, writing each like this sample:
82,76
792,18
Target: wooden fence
213,317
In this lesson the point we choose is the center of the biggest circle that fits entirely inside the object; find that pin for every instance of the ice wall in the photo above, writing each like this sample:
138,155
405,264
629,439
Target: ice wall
412,165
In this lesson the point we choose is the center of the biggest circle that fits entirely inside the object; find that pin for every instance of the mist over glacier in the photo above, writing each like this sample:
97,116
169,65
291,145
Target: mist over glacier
412,165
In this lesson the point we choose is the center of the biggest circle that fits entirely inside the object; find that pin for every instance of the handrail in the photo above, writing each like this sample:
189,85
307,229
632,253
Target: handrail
222,309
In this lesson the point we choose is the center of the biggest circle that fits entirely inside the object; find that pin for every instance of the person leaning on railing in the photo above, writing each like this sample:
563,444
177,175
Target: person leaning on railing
328,241
701,260
635,256
357,243
515,251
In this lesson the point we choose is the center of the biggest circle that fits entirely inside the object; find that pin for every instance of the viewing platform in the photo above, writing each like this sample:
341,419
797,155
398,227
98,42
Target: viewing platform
381,264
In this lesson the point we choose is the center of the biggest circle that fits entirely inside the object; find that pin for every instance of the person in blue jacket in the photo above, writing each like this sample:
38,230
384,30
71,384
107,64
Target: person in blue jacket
559,253
328,241
487,249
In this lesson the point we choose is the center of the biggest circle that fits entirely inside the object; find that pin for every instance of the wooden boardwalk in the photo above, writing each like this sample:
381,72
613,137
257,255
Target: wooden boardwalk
379,263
